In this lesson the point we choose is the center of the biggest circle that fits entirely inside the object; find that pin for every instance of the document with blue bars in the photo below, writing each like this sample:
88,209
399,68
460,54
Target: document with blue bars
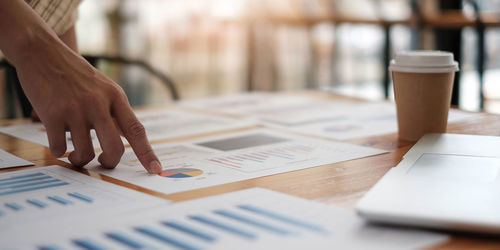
249,219
47,194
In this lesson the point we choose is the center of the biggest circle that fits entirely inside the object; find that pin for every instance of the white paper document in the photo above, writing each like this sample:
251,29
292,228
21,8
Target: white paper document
159,124
50,194
248,219
231,157
8,160
340,120
36,133
247,103
168,123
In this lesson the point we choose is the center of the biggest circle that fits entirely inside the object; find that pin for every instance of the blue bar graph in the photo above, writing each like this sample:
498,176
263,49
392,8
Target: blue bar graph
223,226
50,247
165,238
37,203
190,230
59,200
253,222
88,244
33,188
34,183
280,217
28,182
81,197
14,206
36,178
219,220
127,241
22,177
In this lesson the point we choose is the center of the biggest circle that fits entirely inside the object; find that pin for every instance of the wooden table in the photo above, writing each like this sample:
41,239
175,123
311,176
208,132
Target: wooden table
341,184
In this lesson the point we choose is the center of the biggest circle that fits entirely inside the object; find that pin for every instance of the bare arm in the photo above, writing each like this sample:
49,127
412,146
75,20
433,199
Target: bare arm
69,38
68,93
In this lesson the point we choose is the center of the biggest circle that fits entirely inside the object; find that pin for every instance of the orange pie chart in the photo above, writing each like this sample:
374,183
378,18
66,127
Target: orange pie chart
181,172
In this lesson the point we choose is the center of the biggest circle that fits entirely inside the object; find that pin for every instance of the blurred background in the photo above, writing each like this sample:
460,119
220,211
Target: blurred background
215,47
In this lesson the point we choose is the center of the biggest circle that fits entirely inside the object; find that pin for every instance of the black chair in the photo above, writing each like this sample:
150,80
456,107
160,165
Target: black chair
15,92
481,48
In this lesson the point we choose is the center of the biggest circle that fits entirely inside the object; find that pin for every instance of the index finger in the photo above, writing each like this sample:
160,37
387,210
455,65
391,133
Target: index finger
136,136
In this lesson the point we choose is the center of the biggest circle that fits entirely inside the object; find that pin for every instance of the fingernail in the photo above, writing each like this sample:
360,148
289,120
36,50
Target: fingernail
154,167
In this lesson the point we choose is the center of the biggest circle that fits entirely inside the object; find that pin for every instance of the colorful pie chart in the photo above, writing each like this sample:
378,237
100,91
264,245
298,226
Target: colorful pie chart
181,173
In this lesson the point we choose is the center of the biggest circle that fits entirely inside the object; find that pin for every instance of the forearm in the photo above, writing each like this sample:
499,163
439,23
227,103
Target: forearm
69,38
25,35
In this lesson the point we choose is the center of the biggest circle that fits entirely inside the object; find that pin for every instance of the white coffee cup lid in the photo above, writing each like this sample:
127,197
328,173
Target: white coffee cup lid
424,61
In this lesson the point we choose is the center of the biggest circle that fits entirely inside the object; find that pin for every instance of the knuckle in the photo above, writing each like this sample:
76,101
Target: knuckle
73,105
92,99
71,108
83,157
53,111
100,112
116,92
89,98
116,151
135,130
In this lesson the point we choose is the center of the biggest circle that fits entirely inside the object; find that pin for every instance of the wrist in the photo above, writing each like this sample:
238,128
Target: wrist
31,45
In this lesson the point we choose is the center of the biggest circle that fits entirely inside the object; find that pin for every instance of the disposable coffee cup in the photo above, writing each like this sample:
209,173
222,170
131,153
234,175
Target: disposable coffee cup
423,83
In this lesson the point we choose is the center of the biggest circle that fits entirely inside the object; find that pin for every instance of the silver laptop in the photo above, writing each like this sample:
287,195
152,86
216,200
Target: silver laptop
446,181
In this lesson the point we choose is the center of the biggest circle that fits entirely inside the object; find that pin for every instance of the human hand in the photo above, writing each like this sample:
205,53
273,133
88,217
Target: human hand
68,94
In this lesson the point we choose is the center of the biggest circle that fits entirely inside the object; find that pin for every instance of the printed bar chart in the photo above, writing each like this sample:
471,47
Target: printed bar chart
253,222
50,201
248,219
88,244
29,182
190,230
220,225
60,200
166,238
210,236
49,248
280,217
37,203
253,160
14,206
126,240
33,195
81,197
